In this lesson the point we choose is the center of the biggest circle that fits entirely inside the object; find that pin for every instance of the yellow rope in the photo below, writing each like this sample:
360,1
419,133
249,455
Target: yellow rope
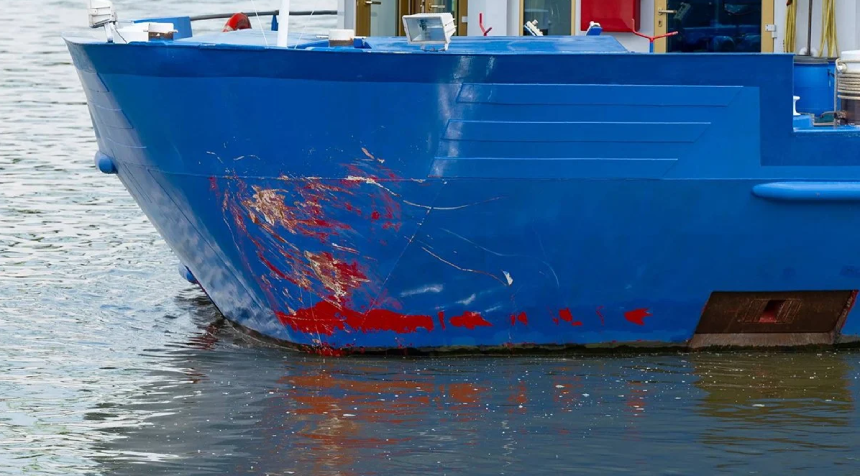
828,30
790,43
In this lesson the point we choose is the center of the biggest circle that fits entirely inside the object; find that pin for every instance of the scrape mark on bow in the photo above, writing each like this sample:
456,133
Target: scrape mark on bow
430,288
463,269
505,255
337,276
370,156
459,207
215,155
315,208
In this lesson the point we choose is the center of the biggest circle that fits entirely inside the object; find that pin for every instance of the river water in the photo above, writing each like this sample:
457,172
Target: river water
111,364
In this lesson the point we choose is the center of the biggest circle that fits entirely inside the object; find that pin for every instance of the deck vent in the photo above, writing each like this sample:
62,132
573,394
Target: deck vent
759,319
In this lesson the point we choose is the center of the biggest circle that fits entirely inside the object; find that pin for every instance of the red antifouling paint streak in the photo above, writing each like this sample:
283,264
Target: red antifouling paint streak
442,320
213,184
325,318
567,316
600,315
375,215
384,320
469,320
522,317
637,316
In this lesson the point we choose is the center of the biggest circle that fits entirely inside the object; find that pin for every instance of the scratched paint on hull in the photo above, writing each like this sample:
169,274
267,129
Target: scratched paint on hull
308,208
325,318
332,275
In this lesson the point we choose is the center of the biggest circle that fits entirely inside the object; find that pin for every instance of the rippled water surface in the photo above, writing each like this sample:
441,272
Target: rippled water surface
111,364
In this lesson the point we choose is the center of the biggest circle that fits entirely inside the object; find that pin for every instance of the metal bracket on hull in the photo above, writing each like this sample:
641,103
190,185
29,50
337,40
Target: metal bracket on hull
773,319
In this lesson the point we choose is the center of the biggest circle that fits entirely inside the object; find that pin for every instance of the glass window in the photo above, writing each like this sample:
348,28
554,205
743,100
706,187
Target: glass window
553,16
715,25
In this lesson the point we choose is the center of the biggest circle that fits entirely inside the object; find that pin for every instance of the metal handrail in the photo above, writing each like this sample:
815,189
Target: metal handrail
220,16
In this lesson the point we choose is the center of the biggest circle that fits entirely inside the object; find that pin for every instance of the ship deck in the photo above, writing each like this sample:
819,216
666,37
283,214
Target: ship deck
497,45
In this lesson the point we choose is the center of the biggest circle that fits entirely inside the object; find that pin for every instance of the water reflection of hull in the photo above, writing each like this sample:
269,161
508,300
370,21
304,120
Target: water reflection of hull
775,403
218,406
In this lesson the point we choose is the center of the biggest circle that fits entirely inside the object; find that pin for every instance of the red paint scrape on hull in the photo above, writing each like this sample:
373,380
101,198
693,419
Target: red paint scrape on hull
470,320
637,316
325,318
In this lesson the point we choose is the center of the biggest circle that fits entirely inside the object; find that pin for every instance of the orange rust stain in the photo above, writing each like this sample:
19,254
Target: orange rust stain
469,320
637,316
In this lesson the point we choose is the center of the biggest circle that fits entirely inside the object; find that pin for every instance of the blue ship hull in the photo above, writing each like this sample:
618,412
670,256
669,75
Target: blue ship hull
505,193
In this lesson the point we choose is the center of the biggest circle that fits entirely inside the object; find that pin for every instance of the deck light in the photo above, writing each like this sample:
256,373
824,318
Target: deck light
429,29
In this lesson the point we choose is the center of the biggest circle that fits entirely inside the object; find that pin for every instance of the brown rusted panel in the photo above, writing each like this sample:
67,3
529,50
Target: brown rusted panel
807,312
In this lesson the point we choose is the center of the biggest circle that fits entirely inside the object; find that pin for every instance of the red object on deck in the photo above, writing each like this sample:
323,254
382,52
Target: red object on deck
239,21
613,15
485,31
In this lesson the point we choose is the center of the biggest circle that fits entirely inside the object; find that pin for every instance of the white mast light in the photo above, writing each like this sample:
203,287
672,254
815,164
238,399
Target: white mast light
101,13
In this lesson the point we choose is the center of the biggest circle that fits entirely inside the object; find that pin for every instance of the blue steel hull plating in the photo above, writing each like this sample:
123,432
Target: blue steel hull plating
475,200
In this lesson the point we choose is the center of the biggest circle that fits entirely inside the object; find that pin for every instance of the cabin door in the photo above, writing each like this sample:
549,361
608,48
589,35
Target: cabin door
384,17
715,26
377,17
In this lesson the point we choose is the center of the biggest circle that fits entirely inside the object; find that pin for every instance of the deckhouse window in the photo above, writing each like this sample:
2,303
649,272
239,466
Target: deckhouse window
554,17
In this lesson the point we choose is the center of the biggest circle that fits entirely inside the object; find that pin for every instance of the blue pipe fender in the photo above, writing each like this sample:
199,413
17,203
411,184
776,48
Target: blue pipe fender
187,274
104,163
809,191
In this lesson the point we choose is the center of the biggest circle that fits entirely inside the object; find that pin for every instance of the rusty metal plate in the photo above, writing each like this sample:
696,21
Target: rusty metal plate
775,312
